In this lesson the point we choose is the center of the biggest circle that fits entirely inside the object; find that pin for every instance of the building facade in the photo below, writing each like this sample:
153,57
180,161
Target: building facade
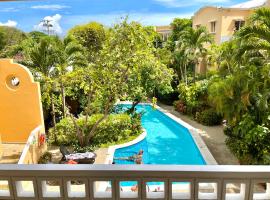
223,22
164,31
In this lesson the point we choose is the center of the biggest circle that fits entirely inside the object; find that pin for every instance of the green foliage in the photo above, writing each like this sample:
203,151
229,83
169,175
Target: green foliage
91,36
9,37
190,49
116,128
180,106
194,101
2,40
194,96
129,53
64,133
241,90
178,26
209,117
250,141
45,158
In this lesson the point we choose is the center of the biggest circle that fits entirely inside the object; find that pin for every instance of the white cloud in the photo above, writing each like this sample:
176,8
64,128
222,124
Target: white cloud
144,18
50,7
185,3
9,23
10,9
54,21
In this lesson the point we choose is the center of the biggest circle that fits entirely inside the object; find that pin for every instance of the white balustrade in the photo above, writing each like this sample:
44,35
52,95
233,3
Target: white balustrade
101,182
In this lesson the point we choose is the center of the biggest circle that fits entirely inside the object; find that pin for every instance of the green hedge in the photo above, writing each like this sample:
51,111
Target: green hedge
116,128
209,117
249,141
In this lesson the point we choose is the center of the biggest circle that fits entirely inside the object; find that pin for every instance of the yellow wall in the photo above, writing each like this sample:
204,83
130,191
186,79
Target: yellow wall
229,16
20,106
203,18
33,150
224,18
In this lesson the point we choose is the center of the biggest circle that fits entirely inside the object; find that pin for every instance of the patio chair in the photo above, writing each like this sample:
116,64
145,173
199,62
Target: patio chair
64,151
88,160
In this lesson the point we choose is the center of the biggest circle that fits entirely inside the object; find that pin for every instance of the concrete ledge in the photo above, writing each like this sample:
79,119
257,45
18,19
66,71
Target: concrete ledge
111,150
206,154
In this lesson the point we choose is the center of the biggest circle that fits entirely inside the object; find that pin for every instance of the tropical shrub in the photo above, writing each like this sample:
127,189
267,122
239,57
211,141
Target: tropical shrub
116,128
45,158
63,133
194,96
250,141
209,117
180,106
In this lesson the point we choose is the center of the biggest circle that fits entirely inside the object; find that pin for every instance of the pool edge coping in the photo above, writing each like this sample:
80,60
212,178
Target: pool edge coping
195,134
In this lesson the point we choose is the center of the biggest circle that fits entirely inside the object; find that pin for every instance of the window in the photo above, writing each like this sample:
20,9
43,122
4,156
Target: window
213,27
238,24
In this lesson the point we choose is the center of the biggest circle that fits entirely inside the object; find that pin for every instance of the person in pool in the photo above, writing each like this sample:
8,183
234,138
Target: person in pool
136,157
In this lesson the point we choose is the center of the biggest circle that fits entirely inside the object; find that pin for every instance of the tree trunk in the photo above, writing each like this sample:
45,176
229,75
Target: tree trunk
182,74
94,128
53,116
63,100
53,111
79,131
194,72
134,104
186,81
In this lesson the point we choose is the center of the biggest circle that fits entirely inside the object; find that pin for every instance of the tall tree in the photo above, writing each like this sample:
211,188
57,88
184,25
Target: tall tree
195,42
9,37
255,39
91,36
178,26
126,69
70,55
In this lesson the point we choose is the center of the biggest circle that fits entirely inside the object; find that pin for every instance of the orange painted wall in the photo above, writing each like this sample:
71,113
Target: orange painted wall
20,106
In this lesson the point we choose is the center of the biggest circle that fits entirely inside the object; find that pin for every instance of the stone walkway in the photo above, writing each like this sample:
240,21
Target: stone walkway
213,137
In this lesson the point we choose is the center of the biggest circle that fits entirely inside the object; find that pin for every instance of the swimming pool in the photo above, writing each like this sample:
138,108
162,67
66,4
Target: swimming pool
167,141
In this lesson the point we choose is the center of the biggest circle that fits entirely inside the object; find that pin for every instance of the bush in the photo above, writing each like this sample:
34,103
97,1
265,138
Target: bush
250,142
64,133
209,117
45,158
169,98
180,107
116,128
194,96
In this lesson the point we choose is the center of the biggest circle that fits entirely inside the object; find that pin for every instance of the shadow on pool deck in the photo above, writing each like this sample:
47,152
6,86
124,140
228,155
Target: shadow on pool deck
213,137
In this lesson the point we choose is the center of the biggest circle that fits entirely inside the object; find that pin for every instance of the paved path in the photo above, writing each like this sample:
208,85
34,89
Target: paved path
213,137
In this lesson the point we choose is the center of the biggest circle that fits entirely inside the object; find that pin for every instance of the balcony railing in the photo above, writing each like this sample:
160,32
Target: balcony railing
134,182
33,149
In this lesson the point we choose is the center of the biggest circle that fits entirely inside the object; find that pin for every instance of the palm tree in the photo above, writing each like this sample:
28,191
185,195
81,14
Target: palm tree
181,64
195,41
255,37
70,55
40,57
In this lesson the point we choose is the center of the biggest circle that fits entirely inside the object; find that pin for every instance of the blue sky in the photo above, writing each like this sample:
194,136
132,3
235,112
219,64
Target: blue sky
26,15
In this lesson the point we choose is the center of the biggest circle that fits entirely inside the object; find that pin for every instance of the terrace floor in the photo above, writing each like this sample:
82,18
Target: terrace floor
10,153
56,154
213,137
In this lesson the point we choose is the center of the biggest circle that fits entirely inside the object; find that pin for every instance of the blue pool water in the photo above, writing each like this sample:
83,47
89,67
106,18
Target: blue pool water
167,142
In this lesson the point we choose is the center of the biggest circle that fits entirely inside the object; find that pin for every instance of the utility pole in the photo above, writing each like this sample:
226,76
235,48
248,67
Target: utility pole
46,23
